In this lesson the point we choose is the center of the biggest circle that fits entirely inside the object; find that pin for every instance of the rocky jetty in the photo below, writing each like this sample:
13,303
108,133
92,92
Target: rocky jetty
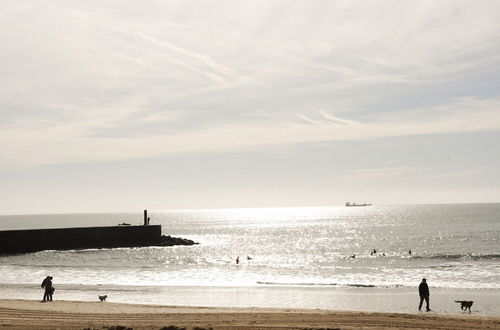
124,235
171,241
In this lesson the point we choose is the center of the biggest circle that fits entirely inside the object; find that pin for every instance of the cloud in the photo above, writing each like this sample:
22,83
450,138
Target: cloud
333,119
309,120
61,143
93,82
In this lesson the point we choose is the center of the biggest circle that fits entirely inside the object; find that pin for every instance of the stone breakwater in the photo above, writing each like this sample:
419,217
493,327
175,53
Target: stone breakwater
25,241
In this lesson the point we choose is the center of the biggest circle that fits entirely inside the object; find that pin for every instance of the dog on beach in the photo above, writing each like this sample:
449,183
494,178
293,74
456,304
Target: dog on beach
102,298
464,304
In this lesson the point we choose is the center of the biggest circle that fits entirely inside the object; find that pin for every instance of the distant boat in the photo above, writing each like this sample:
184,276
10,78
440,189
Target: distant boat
354,204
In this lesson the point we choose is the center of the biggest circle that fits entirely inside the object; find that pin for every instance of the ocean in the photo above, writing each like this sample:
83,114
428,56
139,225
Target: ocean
311,257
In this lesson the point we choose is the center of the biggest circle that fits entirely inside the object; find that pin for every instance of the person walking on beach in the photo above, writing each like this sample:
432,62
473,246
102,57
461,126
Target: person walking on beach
49,290
423,291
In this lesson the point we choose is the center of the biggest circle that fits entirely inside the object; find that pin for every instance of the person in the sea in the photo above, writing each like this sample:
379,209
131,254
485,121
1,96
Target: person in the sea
49,289
423,291
237,260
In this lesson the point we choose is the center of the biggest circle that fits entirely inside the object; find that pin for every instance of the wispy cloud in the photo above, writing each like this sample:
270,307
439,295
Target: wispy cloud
87,82
339,120
309,120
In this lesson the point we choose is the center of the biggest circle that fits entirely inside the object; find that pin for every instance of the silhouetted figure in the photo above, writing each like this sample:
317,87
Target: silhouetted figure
237,260
409,252
149,219
374,251
423,291
353,256
49,289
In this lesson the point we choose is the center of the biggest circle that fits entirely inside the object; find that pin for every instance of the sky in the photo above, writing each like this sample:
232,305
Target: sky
110,106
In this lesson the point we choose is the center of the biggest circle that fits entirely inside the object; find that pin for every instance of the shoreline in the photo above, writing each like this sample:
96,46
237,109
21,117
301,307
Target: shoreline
30,314
382,300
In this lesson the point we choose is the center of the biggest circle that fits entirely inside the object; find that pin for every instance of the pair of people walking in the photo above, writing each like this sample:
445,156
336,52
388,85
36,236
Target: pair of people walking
49,289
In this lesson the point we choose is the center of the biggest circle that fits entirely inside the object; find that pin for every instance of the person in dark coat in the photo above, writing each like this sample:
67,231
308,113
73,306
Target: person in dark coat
47,285
423,291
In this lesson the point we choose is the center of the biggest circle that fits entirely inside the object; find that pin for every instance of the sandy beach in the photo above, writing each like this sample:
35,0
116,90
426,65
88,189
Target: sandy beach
30,314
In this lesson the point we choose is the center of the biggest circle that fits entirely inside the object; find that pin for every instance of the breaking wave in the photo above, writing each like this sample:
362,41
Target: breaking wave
358,285
460,256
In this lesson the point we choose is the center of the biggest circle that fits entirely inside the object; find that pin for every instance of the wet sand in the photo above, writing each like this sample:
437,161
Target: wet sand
30,314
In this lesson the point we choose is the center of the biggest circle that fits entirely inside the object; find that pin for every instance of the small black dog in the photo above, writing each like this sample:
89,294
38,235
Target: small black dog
464,304
102,298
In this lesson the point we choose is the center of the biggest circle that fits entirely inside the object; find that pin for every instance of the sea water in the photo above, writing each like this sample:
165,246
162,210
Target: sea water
288,257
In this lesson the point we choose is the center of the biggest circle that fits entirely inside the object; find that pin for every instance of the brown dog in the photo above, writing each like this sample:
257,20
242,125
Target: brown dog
464,304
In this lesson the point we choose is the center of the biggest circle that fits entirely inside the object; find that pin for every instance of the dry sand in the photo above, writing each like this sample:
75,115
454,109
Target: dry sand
29,314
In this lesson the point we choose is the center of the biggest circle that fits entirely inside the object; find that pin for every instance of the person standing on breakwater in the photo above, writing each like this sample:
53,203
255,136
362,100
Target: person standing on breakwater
423,291
49,289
